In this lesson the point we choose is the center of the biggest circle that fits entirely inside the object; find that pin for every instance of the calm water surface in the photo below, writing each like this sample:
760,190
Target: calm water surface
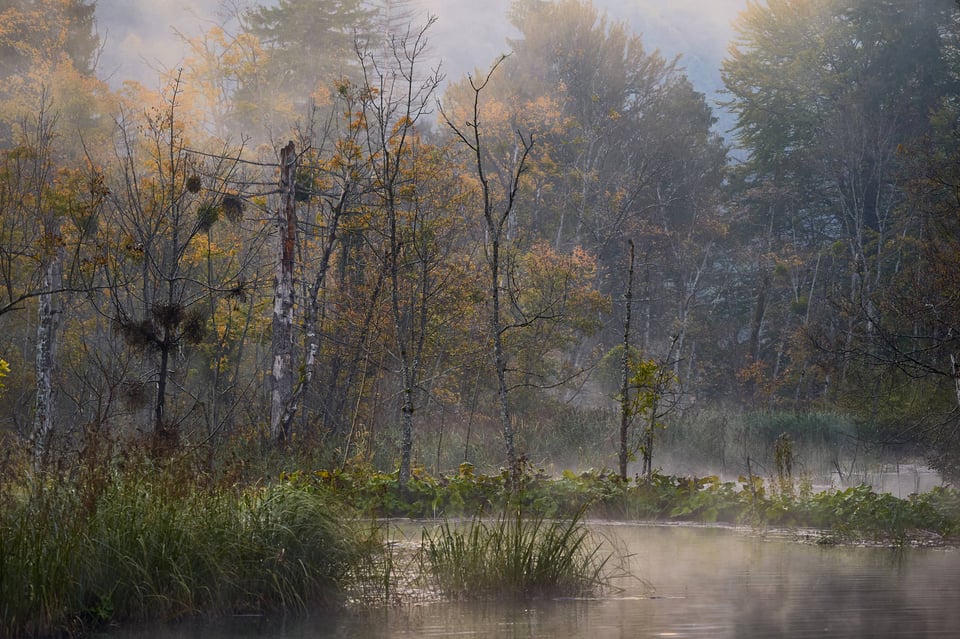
687,582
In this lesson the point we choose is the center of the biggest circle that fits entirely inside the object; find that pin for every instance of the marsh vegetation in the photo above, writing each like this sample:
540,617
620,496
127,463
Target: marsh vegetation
162,541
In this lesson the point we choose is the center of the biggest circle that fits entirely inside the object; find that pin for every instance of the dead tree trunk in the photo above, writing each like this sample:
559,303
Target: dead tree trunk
48,326
282,346
49,307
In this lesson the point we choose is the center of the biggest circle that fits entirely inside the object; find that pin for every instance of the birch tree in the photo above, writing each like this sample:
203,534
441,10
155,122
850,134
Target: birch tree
326,179
33,265
283,297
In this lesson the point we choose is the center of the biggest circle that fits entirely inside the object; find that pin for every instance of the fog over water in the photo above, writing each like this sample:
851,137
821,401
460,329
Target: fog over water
140,36
693,582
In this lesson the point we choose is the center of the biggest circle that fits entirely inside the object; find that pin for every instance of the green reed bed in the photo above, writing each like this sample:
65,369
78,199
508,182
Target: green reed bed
158,549
514,556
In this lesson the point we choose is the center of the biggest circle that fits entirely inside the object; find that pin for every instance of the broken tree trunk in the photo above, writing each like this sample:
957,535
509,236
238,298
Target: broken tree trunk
282,346
48,326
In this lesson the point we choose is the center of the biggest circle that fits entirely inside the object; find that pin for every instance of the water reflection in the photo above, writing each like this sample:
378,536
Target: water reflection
706,582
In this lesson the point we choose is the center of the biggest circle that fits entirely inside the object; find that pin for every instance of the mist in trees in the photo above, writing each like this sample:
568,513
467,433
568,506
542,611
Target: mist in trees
308,235
834,104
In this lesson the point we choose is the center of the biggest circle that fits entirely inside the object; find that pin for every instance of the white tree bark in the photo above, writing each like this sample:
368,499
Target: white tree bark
283,298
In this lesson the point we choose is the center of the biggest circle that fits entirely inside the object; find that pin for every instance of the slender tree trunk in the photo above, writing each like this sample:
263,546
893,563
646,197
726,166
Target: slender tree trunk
162,438
411,346
406,426
625,369
955,372
49,309
283,299
312,320
408,365
756,325
499,356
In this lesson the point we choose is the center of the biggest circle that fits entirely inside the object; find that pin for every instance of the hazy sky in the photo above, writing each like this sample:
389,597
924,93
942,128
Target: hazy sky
140,36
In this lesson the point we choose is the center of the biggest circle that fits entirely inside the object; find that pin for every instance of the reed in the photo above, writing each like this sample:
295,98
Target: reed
39,550
155,549
514,556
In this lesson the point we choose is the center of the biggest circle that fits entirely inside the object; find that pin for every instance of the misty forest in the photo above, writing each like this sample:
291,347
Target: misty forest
306,249
301,241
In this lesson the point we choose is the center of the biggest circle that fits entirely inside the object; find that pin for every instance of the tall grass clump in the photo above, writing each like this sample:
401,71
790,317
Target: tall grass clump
514,556
158,551
152,547
304,551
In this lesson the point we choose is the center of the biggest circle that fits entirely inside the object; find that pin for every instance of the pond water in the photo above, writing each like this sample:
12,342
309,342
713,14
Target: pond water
685,582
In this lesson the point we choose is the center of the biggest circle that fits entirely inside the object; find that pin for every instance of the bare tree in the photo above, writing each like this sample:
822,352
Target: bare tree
496,214
396,101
